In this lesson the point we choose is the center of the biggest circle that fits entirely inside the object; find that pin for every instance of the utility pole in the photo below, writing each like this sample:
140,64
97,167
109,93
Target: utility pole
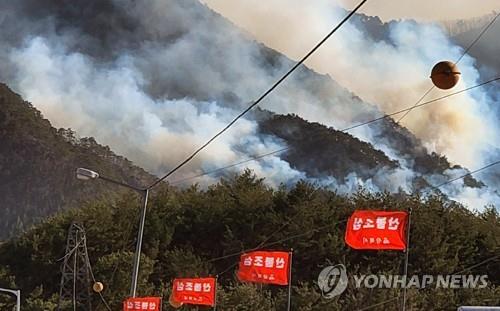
75,280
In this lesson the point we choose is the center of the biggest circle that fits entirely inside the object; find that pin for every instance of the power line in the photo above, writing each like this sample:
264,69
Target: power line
424,103
232,165
336,223
416,103
275,242
264,95
92,274
456,62
478,37
397,297
468,174
331,224
379,303
258,157
263,244
280,229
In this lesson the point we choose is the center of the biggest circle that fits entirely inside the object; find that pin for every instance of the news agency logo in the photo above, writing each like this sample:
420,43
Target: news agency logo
333,281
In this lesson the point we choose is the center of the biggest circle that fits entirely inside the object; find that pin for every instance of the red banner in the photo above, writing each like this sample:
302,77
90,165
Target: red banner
143,303
377,230
264,267
199,291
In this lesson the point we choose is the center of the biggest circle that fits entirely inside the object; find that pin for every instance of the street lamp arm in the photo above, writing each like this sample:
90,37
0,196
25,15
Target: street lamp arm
141,190
16,293
11,291
86,174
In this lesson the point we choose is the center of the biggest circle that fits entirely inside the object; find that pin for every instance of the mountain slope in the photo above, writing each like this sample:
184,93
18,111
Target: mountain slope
323,152
175,53
486,50
38,162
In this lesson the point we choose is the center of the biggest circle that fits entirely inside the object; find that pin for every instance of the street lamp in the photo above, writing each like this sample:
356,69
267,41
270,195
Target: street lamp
16,293
86,174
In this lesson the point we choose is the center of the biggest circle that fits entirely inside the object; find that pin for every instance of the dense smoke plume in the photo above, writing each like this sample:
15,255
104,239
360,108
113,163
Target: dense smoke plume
391,72
155,79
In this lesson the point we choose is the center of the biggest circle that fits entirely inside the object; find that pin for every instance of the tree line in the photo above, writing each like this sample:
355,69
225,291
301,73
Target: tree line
198,232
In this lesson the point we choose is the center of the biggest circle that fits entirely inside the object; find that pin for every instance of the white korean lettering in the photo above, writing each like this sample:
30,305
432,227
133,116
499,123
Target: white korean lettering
393,223
180,286
280,263
369,223
358,222
197,287
269,263
259,261
207,288
381,221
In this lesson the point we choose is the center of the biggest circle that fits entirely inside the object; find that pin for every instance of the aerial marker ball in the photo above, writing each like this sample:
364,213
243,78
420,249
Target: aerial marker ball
97,287
445,75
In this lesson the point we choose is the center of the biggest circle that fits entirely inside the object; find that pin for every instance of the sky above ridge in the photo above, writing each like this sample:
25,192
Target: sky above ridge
423,10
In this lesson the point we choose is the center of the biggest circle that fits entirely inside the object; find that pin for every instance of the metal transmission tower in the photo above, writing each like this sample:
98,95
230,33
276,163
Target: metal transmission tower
74,293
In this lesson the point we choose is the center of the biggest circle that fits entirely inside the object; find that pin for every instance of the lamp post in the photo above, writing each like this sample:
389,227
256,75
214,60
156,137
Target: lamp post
86,174
16,293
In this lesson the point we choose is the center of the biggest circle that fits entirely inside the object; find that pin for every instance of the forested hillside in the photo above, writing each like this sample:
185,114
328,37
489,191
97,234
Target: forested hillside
188,231
38,163
321,151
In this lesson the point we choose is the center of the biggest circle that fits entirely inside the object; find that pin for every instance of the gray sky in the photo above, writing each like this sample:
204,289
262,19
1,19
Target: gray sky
425,9
389,9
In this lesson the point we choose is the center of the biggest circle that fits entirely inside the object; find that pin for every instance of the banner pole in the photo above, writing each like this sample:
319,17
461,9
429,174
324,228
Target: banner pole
290,260
215,292
407,257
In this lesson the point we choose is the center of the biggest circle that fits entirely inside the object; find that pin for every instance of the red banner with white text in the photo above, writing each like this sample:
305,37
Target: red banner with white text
197,291
378,230
265,267
142,303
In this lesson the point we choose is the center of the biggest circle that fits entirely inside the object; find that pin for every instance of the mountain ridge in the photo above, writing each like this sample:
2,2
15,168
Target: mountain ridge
38,163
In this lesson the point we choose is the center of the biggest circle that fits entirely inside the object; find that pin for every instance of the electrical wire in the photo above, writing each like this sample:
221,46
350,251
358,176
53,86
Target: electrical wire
468,174
274,86
125,244
275,242
89,266
406,111
264,95
258,157
70,252
397,297
416,103
261,245
478,37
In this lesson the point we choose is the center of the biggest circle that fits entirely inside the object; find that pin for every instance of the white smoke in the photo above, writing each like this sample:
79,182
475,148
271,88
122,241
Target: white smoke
392,73
109,103
157,88
133,97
